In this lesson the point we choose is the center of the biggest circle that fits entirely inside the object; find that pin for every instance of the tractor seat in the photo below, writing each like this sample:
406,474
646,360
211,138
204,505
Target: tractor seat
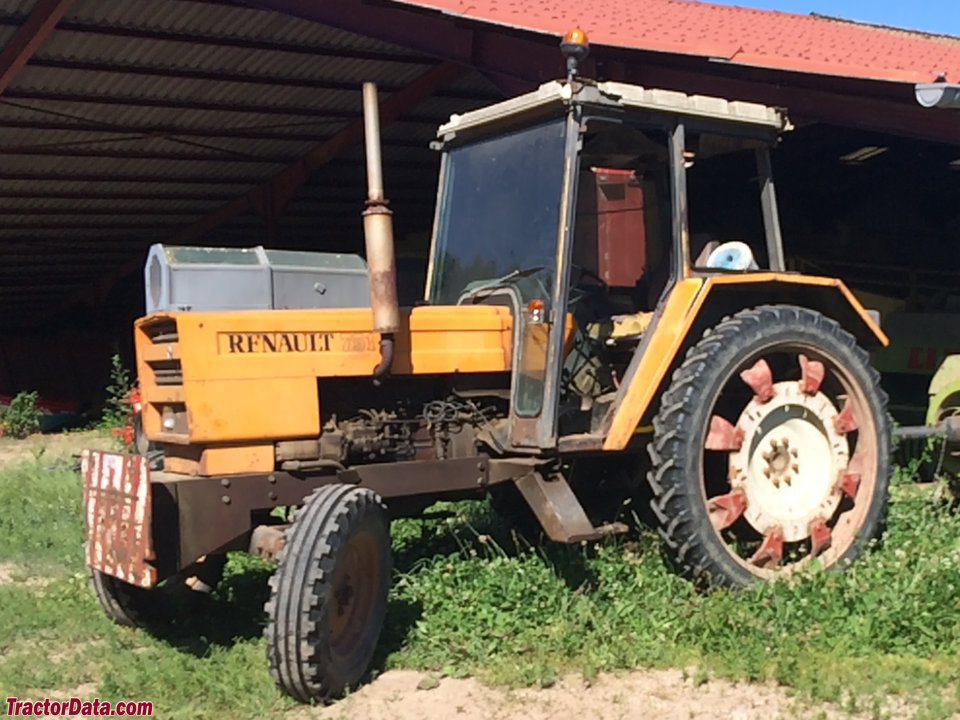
621,329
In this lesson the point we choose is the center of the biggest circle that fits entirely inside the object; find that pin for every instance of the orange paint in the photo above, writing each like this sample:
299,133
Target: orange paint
682,307
252,375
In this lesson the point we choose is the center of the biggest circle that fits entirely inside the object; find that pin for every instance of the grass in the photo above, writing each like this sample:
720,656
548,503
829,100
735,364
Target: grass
470,598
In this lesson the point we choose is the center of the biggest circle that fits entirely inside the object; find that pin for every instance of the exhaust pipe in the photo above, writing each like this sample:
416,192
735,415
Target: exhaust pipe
378,236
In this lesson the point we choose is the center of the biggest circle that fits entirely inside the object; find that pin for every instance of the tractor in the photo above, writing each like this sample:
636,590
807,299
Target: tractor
606,299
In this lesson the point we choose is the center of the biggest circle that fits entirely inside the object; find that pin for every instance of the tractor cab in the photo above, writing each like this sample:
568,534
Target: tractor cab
570,206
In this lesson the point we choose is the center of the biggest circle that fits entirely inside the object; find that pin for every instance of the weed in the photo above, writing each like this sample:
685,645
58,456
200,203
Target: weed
116,406
22,417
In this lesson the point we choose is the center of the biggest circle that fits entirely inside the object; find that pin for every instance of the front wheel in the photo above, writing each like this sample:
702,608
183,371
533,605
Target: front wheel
771,448
329,593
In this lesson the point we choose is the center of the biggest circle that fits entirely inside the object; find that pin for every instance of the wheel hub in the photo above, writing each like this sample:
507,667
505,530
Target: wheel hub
789,461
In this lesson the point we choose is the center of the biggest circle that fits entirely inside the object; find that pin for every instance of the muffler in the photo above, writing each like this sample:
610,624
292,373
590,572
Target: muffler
378,236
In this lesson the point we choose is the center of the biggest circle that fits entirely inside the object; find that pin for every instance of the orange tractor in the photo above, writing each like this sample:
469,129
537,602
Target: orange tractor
598,307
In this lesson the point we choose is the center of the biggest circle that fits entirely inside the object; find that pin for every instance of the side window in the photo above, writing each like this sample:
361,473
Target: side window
723,199
622,233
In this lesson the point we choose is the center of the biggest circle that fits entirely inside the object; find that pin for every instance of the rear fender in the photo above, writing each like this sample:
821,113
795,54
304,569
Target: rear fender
697,303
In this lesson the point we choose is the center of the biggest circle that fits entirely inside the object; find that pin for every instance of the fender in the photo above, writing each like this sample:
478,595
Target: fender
686,313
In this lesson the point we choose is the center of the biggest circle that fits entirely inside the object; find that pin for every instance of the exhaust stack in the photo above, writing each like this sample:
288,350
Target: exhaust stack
378,235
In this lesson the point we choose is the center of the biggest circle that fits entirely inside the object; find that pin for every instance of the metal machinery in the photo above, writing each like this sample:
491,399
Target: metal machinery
943,422
583,324
943,415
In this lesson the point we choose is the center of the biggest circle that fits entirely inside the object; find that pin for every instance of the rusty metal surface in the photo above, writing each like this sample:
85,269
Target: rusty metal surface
581,442
421,477
190,517
206,515
560,513
378,234
117,513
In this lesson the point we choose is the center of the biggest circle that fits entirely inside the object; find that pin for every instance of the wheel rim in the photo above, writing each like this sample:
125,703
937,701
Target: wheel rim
355,589
790,460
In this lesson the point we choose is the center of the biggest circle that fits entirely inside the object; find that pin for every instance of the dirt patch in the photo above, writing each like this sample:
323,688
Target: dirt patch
85,690
11,574
662,694
52,447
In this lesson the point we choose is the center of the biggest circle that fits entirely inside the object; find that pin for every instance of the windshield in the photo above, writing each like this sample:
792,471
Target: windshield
500,213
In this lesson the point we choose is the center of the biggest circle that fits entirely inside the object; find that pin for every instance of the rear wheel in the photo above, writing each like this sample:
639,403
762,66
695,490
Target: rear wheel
124,604
771,448
133,606
329,593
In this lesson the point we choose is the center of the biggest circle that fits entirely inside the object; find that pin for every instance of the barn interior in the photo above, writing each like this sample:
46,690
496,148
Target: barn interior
208,122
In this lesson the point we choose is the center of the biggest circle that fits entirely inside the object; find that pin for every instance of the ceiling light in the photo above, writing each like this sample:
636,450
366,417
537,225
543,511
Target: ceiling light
863,154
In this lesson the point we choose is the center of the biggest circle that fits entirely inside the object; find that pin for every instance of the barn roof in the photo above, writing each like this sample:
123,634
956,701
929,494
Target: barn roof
744,36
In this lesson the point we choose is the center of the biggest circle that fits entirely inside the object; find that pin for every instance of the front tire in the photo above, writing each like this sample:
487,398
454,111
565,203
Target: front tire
329,593
771,447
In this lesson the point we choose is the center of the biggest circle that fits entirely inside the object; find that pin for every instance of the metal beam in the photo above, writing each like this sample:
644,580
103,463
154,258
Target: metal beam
82,149
185,195
289,132
35,29
407,167
197,38
80,225
491,50
170,103
127,179
222,76
89,212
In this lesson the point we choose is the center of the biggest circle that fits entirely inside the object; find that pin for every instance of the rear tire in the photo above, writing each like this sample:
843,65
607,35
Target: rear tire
132,606
329,593
124,604
771,446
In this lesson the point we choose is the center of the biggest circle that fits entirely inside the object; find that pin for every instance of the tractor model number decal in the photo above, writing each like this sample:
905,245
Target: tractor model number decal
249,343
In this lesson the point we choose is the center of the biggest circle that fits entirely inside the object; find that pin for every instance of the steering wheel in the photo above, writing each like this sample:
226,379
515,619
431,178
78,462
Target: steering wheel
577,291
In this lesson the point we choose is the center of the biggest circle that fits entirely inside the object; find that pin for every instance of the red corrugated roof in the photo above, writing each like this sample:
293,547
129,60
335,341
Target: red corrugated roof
760,38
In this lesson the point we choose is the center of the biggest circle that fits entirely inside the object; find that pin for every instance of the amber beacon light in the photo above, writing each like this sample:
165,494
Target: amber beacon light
575,47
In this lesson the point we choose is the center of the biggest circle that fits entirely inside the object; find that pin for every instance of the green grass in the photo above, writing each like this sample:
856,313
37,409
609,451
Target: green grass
471,598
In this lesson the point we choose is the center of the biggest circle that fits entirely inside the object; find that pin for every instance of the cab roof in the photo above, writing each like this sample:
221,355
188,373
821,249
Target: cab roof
623,95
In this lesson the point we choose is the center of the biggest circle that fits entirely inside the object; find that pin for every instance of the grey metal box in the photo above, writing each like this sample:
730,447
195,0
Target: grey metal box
318,280
195,278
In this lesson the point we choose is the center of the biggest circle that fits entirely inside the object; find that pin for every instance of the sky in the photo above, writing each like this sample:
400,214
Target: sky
938,16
